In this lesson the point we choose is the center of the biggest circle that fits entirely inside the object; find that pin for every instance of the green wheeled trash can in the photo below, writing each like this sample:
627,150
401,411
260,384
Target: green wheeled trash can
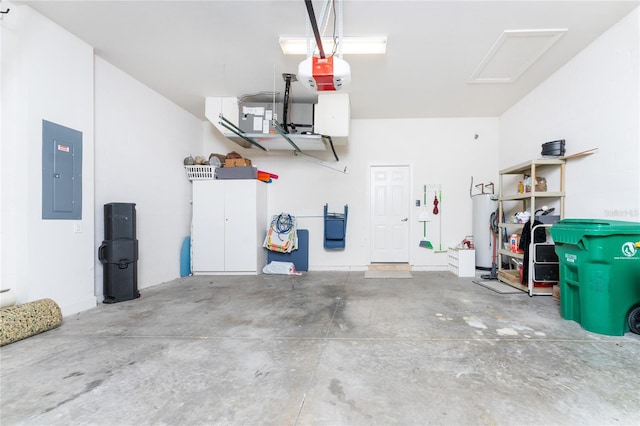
599,273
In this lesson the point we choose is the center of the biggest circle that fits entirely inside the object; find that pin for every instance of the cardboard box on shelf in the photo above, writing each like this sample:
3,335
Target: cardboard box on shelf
237,162
540,184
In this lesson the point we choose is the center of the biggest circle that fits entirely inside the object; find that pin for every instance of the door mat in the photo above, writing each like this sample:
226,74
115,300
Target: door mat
499,287
388,274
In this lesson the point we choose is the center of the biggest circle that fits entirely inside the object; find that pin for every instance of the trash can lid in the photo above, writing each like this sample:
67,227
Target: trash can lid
601,227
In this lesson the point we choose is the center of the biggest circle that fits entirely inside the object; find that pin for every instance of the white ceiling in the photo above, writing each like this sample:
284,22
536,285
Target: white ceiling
188,50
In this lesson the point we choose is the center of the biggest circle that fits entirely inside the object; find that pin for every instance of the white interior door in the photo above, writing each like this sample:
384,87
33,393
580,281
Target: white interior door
390,214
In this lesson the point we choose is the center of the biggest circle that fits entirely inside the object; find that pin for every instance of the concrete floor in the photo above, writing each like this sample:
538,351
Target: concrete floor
322,349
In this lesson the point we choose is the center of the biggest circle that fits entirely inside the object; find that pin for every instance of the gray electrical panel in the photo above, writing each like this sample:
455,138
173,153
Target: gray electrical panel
61,172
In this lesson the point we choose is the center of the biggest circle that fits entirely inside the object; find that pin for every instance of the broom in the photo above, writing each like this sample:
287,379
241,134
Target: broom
423,218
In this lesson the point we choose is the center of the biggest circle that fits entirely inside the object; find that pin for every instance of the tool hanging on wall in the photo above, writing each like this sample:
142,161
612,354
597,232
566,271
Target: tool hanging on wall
423,218
436,202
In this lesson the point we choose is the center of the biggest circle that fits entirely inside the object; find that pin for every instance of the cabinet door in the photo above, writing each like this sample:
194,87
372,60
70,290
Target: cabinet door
207,226
240,225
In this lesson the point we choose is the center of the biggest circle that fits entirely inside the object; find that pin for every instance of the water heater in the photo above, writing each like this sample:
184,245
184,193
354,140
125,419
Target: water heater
483,206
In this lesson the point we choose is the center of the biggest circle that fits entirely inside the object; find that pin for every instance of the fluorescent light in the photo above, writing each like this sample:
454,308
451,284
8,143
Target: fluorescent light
350,45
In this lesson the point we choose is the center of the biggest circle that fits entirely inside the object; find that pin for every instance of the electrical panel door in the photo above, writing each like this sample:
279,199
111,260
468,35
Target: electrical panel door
61,172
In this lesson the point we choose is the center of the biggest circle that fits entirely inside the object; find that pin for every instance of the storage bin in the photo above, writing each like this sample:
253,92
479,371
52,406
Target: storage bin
199,172
245,172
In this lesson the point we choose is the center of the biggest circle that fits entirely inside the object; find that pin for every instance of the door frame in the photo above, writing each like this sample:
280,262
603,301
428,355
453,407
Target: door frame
409,210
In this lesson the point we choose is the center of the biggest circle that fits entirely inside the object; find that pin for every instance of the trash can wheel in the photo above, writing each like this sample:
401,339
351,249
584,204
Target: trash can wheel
633,318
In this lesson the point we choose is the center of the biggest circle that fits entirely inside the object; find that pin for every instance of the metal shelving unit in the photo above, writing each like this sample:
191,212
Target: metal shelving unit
531,202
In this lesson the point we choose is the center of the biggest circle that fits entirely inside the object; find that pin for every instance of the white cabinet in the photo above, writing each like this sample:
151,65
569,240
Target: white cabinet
228,226
462,262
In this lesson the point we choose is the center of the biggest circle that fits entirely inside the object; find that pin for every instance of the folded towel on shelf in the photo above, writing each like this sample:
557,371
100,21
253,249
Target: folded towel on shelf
282,236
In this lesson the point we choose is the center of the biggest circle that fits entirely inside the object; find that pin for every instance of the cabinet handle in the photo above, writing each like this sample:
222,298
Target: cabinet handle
405,219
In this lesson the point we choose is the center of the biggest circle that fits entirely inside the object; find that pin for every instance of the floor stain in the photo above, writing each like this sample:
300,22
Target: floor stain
88,388
475,323
74,374
259,373
336,389
506,332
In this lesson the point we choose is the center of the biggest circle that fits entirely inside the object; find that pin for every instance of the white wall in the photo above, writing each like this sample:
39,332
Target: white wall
141,141
47,74
438,151
2,179
592,102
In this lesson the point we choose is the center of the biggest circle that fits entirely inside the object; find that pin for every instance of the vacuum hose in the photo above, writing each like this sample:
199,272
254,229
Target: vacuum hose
493,222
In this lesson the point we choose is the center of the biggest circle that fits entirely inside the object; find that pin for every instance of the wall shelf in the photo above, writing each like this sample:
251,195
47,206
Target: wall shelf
279,140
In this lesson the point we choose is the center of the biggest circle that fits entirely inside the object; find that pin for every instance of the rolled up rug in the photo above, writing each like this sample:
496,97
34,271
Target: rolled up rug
26,320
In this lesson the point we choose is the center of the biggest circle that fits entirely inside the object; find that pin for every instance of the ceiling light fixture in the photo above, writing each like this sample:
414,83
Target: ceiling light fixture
350,45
